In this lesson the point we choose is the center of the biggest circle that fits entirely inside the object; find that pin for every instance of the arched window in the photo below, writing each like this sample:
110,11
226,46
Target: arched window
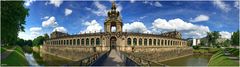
150,41
158,42
87,41
168,42
134,41
154,42
70,42
92,41
97,41
82,41
67,42
78,41
74,41
140,41
145,42
165,42
129,41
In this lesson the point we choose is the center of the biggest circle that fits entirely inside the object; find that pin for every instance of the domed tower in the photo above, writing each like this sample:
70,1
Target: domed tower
113,20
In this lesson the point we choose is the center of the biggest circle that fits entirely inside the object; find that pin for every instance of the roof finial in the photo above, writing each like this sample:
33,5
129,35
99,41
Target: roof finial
113,5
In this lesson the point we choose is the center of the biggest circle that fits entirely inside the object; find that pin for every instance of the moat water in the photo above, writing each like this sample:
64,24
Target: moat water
50,60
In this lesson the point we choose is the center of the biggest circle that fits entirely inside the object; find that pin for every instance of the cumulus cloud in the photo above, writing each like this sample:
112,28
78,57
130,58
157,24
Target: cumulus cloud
33,33
28,2
68,12
188,30
220,4
92,26
102,9
200,18
156,4
135,27
50,22
60,29
225,34
56,3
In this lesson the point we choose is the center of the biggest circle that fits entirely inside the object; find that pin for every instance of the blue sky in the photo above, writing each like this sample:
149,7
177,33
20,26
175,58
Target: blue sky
192,18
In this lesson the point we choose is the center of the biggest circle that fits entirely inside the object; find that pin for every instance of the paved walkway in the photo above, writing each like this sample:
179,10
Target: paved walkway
6,53
113,59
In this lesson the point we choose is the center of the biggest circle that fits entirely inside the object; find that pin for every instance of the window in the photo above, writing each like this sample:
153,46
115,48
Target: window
150,41
145,42
92,41
140,41
97,41
70,42
74,41
158,42
134,41
82,41
78,41
87,41
129,41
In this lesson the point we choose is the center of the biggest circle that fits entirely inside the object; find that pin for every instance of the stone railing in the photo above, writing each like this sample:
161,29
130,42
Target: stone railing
88,60
133,60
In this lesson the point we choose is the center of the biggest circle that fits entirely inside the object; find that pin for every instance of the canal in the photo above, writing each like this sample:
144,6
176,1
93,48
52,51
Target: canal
192,60
50,60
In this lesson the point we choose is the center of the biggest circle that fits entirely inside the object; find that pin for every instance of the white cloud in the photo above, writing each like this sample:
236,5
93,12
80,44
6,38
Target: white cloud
68,12
188,30
92,27
200,18
236,4
102,9
132,1
28,2
46,17
135,27
60,29
225,34
220,4
56,3
34,32
50,22
156,4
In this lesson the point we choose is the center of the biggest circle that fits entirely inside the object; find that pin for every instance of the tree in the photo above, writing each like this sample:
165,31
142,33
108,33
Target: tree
212,38
46,36
12,21
38,41
235,38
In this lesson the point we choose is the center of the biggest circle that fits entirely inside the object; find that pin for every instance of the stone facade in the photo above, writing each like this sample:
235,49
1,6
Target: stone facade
62,43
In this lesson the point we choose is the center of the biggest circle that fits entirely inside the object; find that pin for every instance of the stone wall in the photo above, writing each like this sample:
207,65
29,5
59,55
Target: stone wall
159,54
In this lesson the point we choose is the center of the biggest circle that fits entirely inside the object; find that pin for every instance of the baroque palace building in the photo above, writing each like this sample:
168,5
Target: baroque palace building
69,46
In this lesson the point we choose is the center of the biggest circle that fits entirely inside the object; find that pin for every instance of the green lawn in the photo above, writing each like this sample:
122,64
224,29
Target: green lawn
3,49
218,59
16,58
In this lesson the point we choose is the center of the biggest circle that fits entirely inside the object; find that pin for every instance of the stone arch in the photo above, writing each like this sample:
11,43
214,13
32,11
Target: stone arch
78,41
92,41
134,41
140,41
113,43
145,42
87,41
82,41
150,42
98,41
129,41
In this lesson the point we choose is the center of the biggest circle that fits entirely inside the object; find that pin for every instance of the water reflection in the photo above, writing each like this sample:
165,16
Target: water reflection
44,59
30,59
193,60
